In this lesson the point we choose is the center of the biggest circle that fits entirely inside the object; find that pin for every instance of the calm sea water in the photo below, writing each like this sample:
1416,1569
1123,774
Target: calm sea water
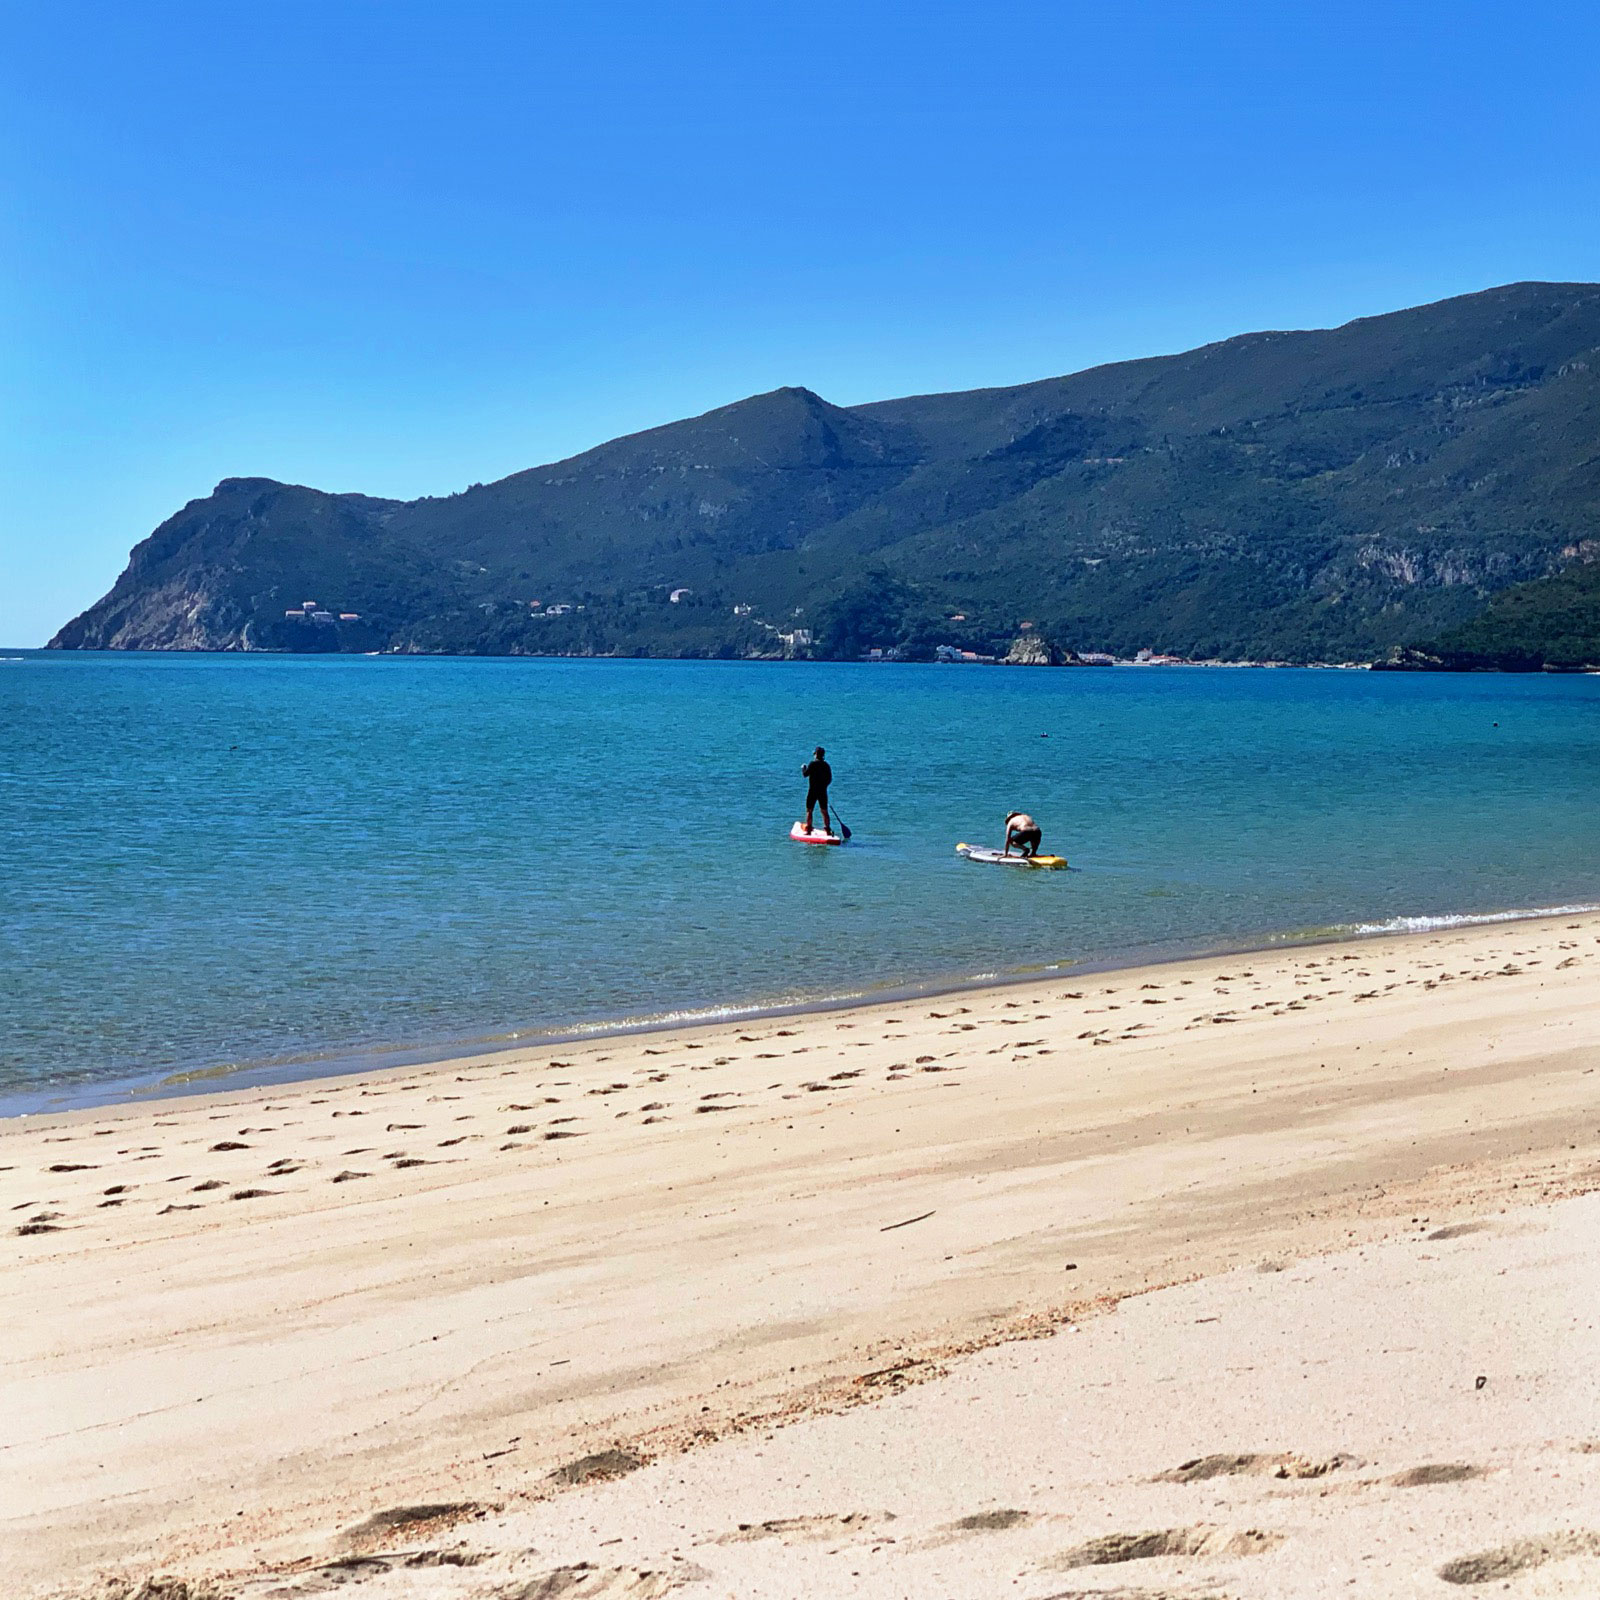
209,861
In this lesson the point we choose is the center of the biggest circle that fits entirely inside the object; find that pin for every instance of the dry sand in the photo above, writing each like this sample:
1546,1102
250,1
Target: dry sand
239,1327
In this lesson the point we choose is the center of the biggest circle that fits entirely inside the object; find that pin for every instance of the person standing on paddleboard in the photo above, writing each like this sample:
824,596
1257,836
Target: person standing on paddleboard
1023,832
818,775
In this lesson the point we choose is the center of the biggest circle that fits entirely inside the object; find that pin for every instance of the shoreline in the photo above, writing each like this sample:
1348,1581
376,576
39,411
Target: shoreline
1161,659
441,1285
312,1067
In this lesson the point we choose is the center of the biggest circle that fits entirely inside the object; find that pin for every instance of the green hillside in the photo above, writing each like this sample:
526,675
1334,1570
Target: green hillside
1314,495
1551,624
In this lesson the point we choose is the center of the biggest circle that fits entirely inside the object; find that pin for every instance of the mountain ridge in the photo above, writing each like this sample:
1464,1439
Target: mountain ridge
1296,494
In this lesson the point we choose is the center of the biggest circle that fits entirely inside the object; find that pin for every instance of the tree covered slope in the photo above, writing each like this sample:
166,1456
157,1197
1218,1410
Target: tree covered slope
1312,495
1549,624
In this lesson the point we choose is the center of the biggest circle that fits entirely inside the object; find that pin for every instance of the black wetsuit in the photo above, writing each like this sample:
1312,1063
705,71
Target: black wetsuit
818,775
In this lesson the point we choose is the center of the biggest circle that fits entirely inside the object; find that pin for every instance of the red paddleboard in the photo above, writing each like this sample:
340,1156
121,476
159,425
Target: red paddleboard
799,834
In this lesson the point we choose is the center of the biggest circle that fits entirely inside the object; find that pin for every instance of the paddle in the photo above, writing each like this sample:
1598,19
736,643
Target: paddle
844,832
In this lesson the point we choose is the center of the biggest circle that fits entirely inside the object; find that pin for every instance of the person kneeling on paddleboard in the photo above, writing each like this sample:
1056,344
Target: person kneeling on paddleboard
1023,832
818,775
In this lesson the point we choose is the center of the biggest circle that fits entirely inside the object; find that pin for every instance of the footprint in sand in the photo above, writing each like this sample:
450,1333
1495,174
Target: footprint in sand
985,1522
807,1530
1120,1593
1202,1540
594,1468
1436,1472
1507,1560
586,1582
332,1575
1282,1465
408,1519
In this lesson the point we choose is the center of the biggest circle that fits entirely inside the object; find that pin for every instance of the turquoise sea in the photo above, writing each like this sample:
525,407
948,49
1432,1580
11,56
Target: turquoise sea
289,865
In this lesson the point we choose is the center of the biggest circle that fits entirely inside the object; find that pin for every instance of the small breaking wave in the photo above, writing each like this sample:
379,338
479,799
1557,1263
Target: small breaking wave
1464,919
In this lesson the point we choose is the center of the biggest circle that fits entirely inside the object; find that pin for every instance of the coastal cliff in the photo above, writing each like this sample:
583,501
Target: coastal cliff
1337,494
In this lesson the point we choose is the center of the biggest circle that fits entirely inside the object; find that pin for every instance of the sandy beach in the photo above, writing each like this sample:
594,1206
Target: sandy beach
1266,1275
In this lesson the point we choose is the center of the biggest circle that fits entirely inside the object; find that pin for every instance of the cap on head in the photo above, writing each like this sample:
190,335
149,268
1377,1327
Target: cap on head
819,752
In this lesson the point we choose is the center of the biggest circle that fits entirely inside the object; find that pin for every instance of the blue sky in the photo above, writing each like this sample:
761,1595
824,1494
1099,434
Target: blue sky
401,247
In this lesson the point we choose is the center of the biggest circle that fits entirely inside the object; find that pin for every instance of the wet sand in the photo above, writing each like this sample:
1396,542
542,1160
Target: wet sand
240,1326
